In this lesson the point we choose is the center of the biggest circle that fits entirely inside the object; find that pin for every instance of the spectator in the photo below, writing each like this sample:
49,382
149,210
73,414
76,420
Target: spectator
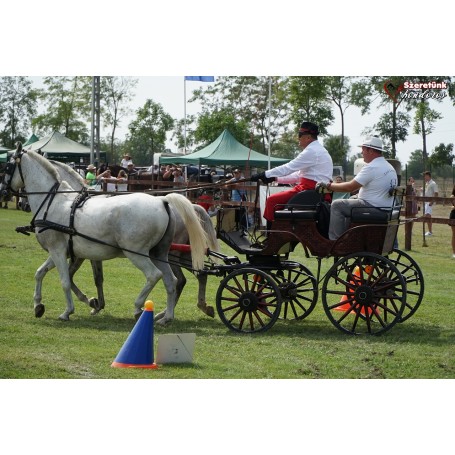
237,194
169,173
414,208
130,169
431,190
122,179
452,217
178,176
110,186
126,160
338,194
90,176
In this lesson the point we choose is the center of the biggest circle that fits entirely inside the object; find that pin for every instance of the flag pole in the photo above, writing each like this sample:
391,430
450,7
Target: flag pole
184,116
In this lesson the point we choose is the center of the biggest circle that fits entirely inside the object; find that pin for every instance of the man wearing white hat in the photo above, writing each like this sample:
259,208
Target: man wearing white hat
374,182
126,160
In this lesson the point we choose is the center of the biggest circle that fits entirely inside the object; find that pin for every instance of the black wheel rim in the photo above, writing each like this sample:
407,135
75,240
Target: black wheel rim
298,289
248,301
364,294
414,281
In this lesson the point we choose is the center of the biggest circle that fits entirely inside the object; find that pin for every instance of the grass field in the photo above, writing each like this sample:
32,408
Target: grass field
421,347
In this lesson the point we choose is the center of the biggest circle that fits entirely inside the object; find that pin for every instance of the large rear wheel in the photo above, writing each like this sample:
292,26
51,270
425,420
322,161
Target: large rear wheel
364,293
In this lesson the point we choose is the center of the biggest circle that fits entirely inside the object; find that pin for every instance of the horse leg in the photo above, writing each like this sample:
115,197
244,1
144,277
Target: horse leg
202,304
152,276
60,261
39,276
170,283
98,304
73,268
181,281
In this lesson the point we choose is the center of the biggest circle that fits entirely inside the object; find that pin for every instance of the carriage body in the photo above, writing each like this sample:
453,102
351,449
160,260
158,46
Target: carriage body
365,291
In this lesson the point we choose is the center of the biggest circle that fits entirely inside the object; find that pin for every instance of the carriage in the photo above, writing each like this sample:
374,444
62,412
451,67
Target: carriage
370,286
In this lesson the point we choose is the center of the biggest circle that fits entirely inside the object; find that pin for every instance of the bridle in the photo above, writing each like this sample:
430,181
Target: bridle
9,171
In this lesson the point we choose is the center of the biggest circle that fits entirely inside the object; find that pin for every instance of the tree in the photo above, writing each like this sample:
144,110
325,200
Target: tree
345,92
415,164
337,148
18,104
246,99
308,97
393,125
116,93
68,107
147,133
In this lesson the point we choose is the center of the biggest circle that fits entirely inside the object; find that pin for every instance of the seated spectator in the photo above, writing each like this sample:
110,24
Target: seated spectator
340,195
90,176
122,179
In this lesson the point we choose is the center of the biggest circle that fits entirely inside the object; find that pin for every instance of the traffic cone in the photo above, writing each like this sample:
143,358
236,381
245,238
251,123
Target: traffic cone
356,281
137,351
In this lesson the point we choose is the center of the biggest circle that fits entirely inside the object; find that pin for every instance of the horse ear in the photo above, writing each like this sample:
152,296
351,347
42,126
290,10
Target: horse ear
18,146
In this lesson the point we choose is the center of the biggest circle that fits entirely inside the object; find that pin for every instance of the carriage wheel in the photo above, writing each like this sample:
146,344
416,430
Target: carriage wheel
364,294
414,281
248,300
299,290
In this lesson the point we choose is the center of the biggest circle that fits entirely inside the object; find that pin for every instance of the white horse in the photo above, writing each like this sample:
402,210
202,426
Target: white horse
177,258
137,226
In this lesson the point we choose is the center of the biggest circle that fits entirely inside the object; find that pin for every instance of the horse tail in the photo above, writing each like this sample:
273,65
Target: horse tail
198,238
207,225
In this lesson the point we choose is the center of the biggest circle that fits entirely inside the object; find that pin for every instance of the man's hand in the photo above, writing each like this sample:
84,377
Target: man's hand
321,187
261,176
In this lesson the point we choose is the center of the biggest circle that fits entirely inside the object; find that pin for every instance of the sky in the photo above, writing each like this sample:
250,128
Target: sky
240,38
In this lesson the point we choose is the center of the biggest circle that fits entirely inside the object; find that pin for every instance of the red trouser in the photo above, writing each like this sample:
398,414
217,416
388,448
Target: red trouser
282,198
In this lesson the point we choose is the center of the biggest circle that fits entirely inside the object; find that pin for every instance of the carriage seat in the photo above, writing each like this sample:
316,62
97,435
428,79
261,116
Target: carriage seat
374,215
302,206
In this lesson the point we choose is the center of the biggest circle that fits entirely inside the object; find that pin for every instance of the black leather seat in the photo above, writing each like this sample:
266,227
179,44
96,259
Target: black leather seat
302,206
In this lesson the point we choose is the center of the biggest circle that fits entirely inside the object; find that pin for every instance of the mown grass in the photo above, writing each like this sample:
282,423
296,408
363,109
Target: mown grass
421,347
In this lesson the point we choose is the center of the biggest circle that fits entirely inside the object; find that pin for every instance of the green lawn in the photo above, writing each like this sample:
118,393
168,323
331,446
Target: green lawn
421,347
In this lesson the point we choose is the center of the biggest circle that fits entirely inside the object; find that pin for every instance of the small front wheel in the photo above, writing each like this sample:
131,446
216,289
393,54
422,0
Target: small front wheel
248,301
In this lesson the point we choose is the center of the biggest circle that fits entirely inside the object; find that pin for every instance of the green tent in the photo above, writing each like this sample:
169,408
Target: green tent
31,140
59,148
3,157
225,150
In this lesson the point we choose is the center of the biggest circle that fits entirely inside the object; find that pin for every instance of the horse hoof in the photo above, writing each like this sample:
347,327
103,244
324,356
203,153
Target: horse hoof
210,311
95,304
39,310
159,316
163,322
64,317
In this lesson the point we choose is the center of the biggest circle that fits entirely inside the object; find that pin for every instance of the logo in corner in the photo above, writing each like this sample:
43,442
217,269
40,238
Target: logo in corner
392,90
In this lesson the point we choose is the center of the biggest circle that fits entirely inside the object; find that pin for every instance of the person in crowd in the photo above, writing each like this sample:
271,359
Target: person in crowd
414,207
169,173
130,169
312,165
431,190
452,217
374,182
126,160
90,176
110,186
179,178
238,194
122,179
338,194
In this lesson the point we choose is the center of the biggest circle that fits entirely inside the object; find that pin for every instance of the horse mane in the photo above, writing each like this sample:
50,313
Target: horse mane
69,170
45,163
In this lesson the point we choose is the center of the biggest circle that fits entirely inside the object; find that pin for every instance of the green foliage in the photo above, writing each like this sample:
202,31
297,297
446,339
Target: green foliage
338,150
308,97
18,105
415,165
147,132
116,93
68,107
442,155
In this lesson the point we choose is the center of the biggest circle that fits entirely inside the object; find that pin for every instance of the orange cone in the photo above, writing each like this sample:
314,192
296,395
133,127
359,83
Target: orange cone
351,302
137,351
